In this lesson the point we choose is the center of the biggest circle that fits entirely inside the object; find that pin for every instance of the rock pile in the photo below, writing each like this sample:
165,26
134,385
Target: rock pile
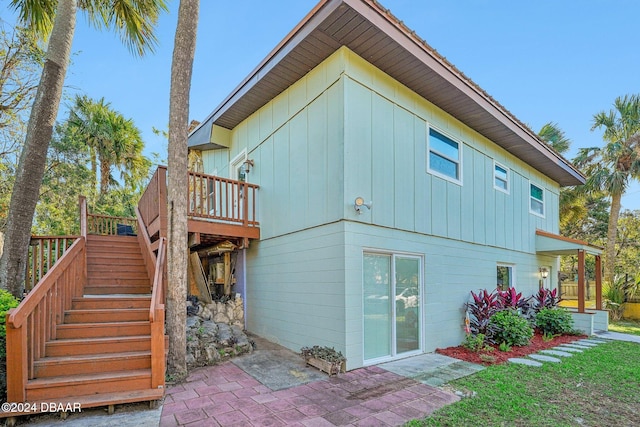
215,332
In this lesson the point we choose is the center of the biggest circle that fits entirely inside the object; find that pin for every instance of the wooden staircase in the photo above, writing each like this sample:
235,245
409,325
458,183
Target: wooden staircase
100,352
115,266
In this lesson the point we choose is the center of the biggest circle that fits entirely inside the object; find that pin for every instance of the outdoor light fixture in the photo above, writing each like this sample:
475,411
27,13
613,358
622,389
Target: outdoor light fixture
247,165
359,203
544,273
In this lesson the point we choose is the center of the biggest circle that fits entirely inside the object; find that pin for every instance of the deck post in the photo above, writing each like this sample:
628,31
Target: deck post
17,363
83,216
598,282
581,281
157,349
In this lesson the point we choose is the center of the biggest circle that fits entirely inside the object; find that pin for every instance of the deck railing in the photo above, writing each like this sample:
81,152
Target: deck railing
44,252
110,225
222,199
153,204
155,264
34,321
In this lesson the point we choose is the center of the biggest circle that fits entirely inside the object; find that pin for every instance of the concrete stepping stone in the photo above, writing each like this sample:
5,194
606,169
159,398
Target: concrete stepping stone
578,346
543,358
586,343
567,348
527,362
593,341
552,352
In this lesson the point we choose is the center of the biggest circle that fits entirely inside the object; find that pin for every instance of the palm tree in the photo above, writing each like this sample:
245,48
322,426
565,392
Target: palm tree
113,141
572,199
134,20
612,167
181,69
555,137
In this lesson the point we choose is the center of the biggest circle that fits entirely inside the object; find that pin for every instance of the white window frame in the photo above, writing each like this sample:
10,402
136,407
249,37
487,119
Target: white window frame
458,161
512,276
531,198
421,318
495,177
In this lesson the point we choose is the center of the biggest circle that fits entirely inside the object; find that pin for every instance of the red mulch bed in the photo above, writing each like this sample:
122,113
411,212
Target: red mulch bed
537,344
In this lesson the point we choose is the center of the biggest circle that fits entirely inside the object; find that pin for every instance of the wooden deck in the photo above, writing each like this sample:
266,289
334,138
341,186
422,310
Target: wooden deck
219,209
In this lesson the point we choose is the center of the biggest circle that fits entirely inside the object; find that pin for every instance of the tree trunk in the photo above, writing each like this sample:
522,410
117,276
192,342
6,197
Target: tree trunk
34,153
181,68
105,173
612,234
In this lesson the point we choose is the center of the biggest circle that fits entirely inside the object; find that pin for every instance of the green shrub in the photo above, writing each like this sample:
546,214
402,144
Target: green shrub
509,327
504,347
474,342
7,301
552,321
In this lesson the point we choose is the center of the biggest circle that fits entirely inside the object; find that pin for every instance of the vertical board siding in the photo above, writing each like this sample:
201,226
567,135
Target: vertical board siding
382,164
474,211
403,176
346,129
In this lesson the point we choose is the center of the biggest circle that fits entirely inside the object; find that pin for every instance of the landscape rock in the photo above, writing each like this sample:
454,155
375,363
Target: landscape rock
215,333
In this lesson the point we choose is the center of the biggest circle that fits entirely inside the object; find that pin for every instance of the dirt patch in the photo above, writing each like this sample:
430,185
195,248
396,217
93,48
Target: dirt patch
496,356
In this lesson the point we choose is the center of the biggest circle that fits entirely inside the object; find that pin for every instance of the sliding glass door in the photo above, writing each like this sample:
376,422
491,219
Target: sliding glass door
392,287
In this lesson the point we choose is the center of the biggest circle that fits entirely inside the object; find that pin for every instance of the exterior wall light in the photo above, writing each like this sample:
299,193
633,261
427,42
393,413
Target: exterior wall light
359,203
544,273
247,165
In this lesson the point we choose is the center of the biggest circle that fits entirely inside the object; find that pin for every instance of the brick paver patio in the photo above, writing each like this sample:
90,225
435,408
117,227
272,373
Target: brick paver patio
225,395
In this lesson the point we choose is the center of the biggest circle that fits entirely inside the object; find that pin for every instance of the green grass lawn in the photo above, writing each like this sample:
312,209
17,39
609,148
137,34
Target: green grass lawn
599,387
627,326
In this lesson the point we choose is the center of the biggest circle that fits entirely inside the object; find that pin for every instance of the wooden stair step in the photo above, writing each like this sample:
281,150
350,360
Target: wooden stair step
111,238
111,302
103,330
134,289
131,258
94,401
117,268
112,248
106,315
109,279
70,347
92,363
87,384
116,277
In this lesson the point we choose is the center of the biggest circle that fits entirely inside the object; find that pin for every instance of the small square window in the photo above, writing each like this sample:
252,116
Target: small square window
444,156
536,205
504,277
500,177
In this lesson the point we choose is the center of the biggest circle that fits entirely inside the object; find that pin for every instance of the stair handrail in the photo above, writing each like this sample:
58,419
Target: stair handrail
33,323
155,264
157,292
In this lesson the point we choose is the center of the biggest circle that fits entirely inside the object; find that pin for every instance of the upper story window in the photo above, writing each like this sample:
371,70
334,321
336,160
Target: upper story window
536,196
500,177
444,156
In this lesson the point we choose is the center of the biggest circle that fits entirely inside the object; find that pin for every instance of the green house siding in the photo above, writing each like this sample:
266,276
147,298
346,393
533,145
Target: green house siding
386,132
348,130
295,289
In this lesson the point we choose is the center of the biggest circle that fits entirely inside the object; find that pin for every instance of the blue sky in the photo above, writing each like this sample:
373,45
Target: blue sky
548,60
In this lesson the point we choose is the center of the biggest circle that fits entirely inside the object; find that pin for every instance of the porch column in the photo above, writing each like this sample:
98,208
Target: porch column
598,282
581,281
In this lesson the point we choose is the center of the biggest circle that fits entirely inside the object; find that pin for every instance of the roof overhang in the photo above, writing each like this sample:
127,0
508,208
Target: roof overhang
554,244
372,32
